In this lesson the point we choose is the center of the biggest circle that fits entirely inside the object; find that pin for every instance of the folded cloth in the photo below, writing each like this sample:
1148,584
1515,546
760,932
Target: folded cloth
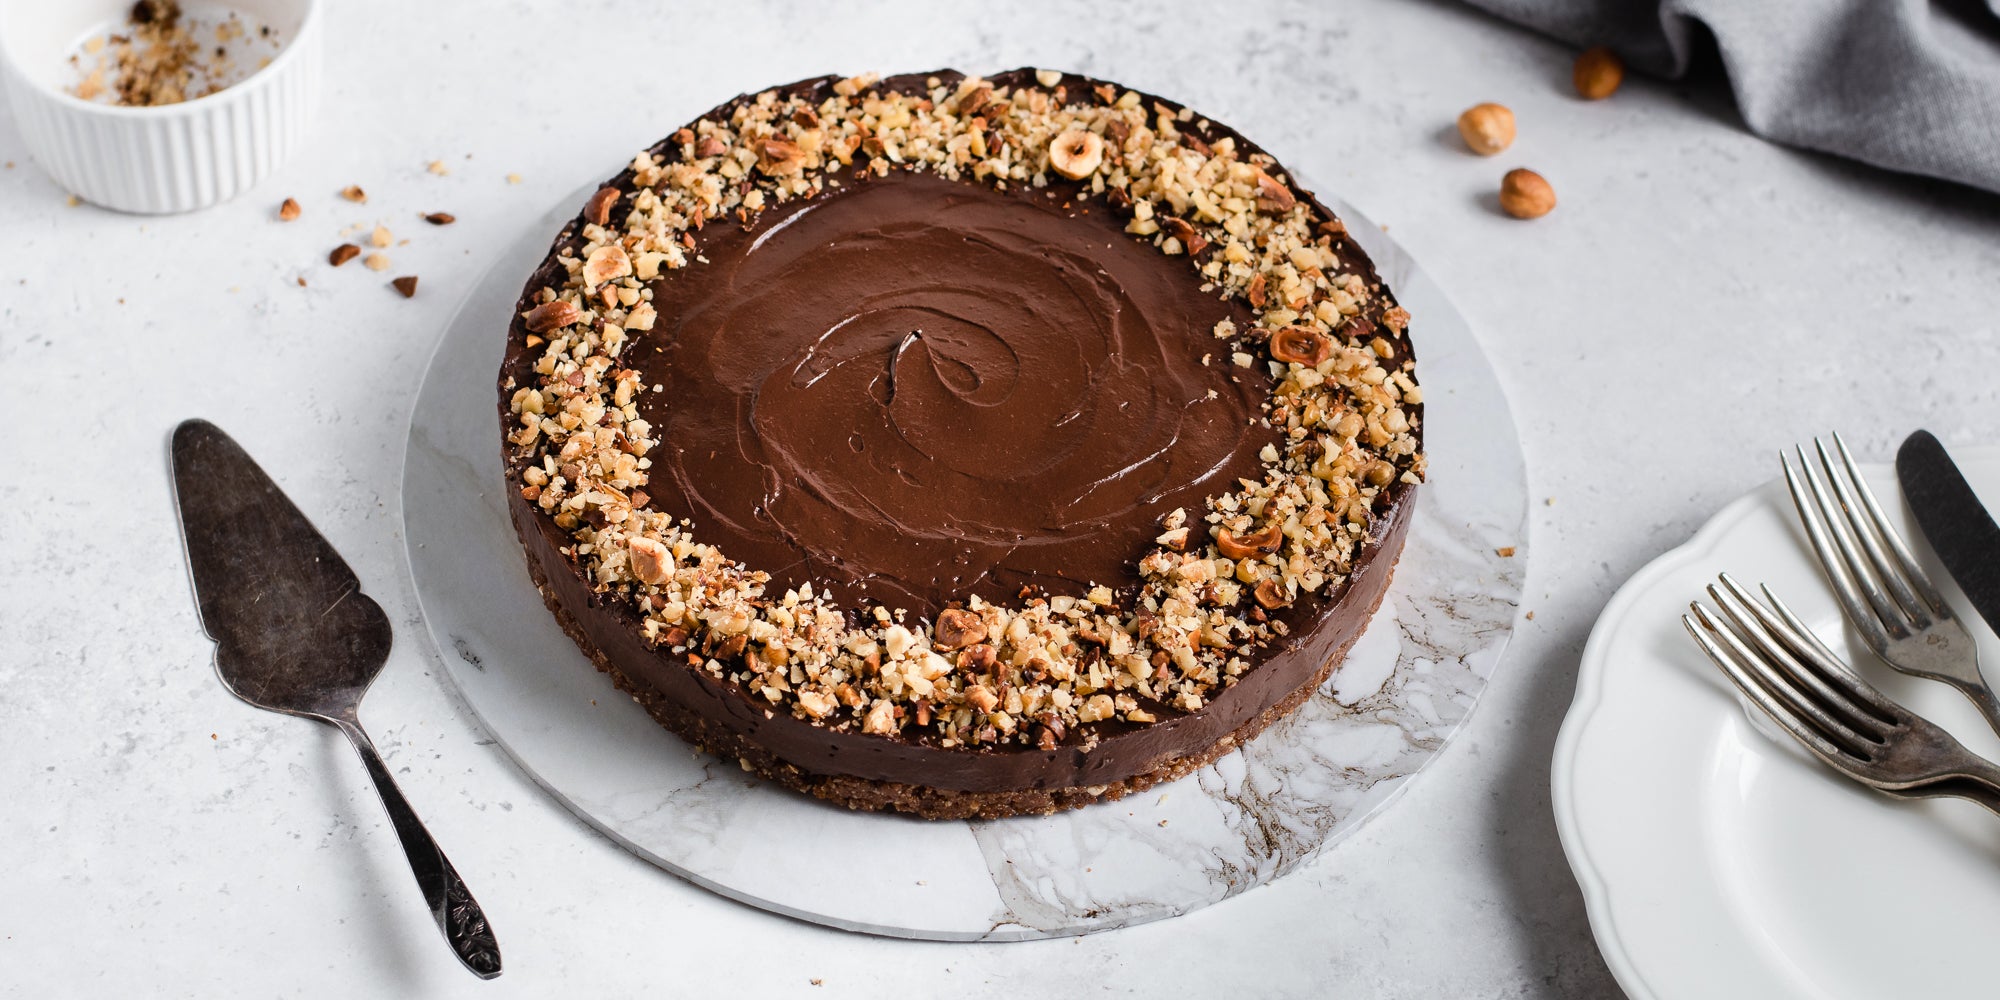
1901,84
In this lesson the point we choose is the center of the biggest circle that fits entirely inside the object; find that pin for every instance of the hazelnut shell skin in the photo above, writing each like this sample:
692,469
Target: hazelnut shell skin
1487,128
1525,194
1597,73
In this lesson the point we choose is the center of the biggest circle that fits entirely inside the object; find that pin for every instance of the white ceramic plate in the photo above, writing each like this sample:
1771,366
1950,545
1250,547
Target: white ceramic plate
1309,780
1719,861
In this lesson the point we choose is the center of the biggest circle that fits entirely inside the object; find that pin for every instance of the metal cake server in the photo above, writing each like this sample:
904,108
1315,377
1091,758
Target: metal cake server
294,634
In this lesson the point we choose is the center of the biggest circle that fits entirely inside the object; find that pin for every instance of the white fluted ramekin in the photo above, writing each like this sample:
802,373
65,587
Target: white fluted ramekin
171,158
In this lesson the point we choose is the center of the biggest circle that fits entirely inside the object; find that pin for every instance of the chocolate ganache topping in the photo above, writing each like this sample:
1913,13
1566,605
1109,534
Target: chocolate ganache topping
915,389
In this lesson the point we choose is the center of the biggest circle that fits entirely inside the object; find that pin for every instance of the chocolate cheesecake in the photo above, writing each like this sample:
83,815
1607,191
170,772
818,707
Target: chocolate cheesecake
960,446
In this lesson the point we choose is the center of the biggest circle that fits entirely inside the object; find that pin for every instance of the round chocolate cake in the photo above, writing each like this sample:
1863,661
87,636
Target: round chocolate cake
960,446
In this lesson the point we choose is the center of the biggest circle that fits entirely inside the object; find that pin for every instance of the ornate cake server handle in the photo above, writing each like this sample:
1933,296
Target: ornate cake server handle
457,914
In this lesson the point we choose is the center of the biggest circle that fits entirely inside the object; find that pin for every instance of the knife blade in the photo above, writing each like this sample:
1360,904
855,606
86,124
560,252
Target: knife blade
1957,525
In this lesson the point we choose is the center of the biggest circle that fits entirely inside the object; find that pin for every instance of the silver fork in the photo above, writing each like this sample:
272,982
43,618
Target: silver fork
1792,677
1881,588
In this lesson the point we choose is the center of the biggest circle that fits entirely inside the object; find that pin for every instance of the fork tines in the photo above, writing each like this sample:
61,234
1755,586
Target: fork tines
1789,674
1881,588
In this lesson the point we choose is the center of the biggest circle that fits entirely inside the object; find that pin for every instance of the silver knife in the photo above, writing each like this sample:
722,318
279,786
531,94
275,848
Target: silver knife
294,634
1958,527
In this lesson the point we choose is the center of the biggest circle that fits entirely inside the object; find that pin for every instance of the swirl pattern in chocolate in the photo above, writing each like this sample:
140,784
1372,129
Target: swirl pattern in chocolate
917,390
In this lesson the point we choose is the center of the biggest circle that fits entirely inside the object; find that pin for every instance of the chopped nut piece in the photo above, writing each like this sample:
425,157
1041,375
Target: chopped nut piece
817,705
1261,542
437,167
881,718
1597,73
1098,708
407,285
709,146
1487,128
289,210
1300,345
1076,153
605,264
731,648
1048,77
552,315
381,237
598,209
377,261
1525,195
977,658
440,218
353,193
651,561
779,157
1270,594
342,254
1273,196
982,697
956,628
1180,229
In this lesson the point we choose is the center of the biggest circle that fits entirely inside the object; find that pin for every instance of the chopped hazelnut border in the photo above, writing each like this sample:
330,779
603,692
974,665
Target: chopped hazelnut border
1343,393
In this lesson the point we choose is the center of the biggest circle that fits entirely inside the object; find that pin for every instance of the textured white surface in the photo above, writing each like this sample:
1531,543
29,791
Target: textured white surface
1308,781
1698,299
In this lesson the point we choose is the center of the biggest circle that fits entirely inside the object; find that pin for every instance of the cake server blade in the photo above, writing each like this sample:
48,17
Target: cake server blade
1958,527
294,634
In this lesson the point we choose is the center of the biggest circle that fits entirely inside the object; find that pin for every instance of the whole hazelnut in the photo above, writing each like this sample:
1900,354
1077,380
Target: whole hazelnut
1597,73
1487,128
1076,153
1525,195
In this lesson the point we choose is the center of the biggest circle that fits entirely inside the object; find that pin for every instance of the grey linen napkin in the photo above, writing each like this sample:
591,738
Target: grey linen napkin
1902,84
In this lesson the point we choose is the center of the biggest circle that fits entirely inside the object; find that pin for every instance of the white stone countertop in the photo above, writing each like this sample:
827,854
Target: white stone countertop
1699,299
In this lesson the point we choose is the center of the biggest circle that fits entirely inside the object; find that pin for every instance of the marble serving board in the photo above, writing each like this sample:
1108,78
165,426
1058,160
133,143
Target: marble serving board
1407,685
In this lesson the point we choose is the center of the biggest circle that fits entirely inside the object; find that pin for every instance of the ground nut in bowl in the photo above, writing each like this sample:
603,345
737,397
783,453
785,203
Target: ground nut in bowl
247,111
